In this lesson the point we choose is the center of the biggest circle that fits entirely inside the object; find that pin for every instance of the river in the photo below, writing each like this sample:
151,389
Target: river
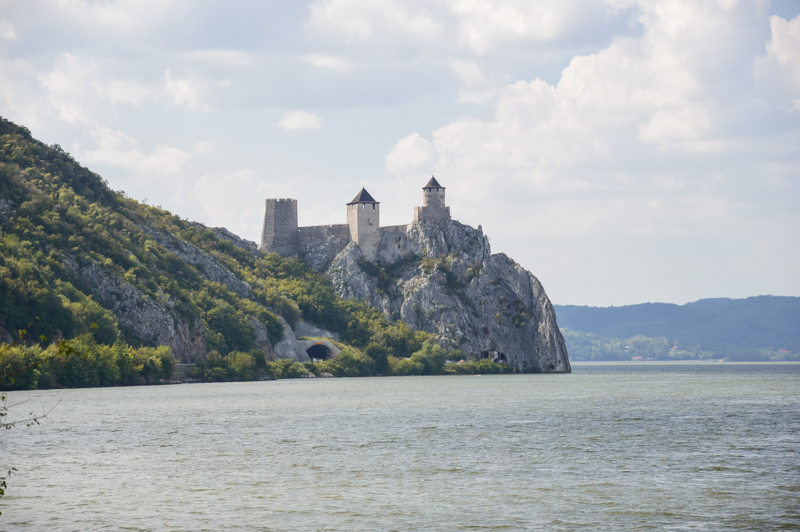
610,446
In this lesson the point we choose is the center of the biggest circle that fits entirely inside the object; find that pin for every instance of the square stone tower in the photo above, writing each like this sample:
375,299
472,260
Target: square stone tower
433,207
363,217
280,233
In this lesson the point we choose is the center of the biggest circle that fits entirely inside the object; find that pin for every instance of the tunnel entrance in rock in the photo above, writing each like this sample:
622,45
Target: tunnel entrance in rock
319,351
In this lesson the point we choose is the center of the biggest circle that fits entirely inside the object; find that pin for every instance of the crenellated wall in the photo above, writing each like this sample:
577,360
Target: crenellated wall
315,233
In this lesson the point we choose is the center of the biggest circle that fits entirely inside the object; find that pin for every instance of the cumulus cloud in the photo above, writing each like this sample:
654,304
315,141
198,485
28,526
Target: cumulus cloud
188,91
610,149
359,20
410,154
214,193
468,71
123,17
232,58
115,148
7,32
475,26
330,62
293,120
662,131
779,69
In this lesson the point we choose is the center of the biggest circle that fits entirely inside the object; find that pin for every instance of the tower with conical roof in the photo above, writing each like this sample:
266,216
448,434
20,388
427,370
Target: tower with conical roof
433,207
363,217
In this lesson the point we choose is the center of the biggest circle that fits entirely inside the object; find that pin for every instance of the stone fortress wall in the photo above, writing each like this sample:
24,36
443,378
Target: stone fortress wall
315,233
282,235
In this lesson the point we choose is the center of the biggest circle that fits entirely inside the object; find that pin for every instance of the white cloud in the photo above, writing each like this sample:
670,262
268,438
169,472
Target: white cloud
122,17
779,70
68,87
485,26
134,92
293,120
410,154
360,20
216,193
204,148
233,58
115,148
475,26
468,71
609,152
188,92
330,62
7,32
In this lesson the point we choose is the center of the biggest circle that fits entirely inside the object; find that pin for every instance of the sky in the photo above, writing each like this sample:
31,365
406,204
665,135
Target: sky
624,151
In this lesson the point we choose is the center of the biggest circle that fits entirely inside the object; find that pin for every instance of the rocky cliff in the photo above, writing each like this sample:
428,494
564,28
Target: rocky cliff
140,318
441,277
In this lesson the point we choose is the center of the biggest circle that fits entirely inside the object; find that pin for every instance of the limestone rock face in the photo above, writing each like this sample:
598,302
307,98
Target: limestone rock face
152,322
320,253
440,277
289,347
262,338
304,328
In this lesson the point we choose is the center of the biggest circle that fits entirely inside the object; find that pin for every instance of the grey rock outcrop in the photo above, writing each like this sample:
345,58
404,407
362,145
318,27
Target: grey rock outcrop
440,277
304,328
6,207
320,253
261,337
152,322
289,347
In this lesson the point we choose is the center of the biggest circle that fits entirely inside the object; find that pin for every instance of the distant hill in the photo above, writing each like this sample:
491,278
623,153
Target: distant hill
762,322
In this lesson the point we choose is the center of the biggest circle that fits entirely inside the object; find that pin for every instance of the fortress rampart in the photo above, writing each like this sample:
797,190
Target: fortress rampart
282,235
314,233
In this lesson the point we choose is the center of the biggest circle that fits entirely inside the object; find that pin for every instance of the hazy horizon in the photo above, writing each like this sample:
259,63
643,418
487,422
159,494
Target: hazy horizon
623,151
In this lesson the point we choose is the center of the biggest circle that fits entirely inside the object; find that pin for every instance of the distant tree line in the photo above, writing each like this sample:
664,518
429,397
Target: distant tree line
761,322
589,346
375,359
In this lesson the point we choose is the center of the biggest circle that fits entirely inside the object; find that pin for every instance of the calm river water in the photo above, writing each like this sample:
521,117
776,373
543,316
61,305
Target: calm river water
625,447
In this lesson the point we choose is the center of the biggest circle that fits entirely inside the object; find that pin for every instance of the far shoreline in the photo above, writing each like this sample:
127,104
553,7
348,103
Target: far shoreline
712,362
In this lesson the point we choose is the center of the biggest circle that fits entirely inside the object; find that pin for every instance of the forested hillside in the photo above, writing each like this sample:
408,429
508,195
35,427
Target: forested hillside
747,329
78,259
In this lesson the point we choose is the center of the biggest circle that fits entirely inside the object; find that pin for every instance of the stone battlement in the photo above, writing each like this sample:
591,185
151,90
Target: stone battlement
313,233
282,235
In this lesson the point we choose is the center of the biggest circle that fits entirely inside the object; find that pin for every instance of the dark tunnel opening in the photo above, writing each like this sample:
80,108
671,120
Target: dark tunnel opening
319,351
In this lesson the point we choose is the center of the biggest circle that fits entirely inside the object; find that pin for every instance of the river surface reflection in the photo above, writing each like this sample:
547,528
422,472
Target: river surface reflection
628,447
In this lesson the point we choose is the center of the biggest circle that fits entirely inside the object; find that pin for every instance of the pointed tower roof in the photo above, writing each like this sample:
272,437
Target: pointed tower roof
433,183
363,197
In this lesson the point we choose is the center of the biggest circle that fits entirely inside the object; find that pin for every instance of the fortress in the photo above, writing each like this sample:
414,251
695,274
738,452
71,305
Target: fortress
282,235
